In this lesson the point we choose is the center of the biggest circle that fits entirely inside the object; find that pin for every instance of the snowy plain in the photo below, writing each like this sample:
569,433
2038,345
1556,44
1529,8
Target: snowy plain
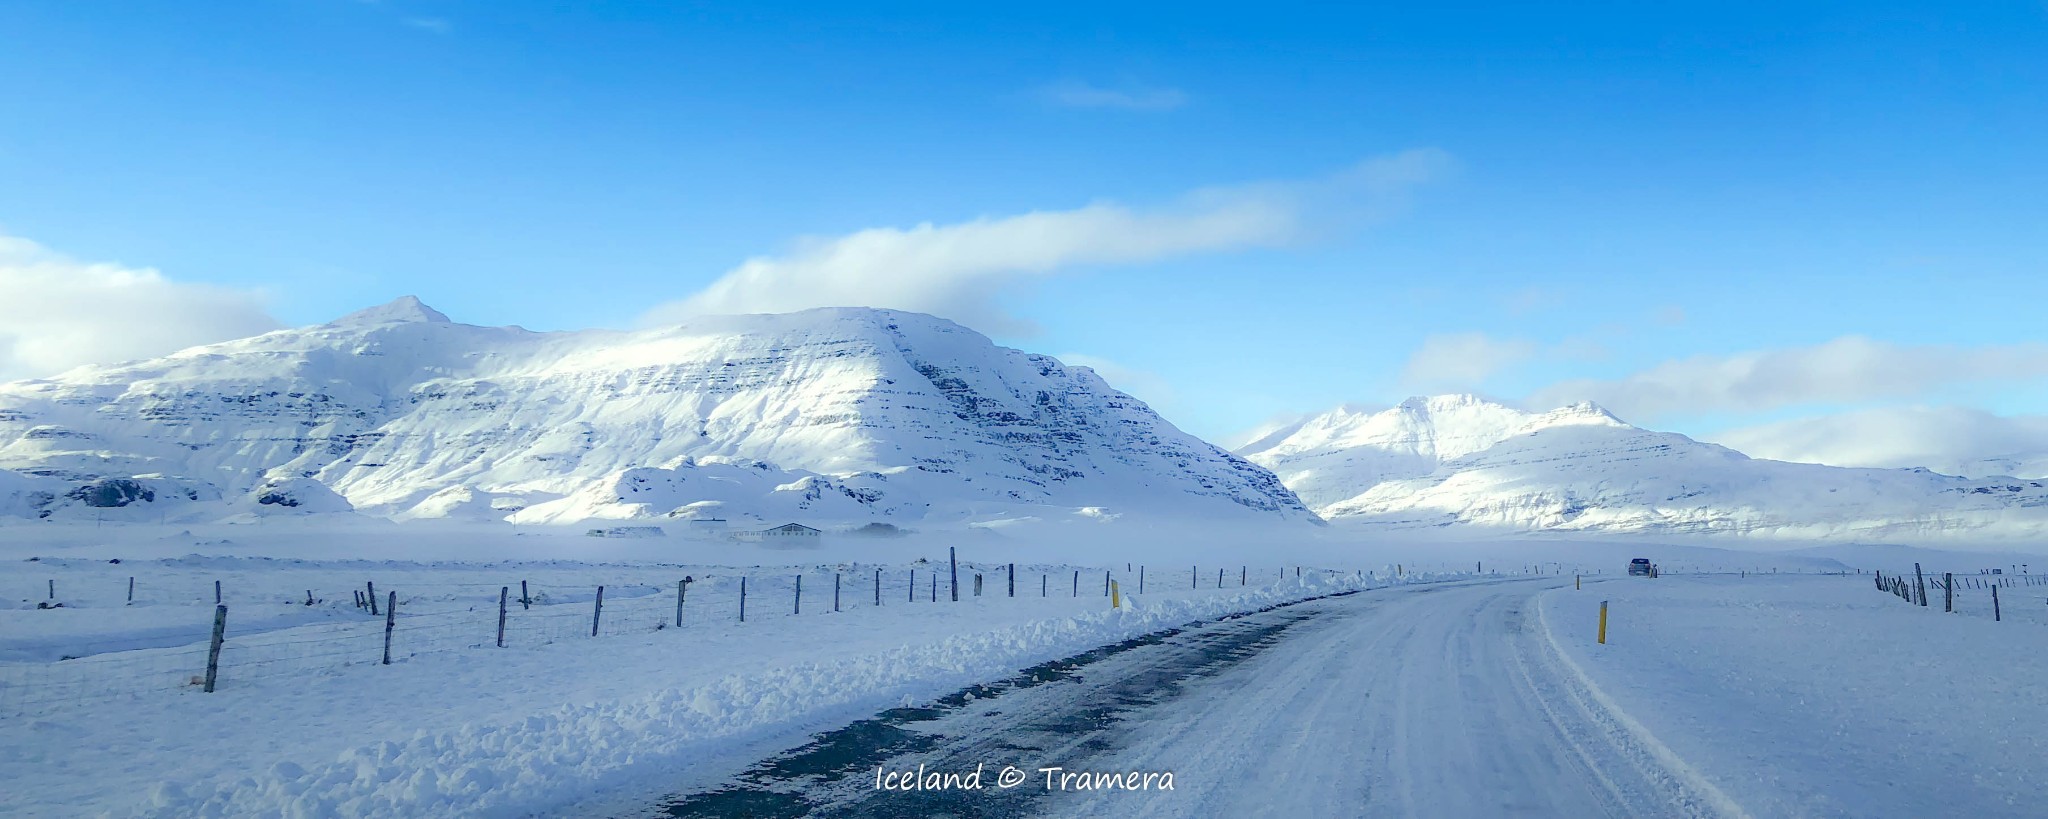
308,722
1823,696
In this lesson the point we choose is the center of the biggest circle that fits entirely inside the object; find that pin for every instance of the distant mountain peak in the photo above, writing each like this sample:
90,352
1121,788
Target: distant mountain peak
1584,412
402,310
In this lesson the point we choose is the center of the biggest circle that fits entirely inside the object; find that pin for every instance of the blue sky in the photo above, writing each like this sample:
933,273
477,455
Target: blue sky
1597,200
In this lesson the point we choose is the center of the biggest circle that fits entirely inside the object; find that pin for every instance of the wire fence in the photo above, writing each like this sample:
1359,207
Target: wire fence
1999,597
430,618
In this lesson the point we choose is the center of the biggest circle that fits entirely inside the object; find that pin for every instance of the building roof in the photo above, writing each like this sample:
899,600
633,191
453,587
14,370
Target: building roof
792,527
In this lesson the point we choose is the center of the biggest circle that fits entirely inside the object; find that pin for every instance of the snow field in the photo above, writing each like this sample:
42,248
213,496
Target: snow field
1803,695
98,646
302,725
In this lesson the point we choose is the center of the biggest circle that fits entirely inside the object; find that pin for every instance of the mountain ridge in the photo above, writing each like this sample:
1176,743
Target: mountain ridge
1464,461
394,405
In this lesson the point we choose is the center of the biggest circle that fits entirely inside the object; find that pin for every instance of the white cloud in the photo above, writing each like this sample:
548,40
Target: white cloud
958,270
57,313
1849,369
1951,440
1463,360
1075,94
433,24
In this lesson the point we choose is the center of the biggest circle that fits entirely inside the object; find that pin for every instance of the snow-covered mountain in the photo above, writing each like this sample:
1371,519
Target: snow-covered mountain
829,414
1461,460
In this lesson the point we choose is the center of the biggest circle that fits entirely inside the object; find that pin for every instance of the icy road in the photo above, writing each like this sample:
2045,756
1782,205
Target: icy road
1442,700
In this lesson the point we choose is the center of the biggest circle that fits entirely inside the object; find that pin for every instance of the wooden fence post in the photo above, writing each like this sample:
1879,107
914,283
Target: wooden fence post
1077,582
743,598
220,632
1948,591
1920,584
1041,585
935,586
216,592
1219,578
878,587
504,596
597,611
131,590
1242,573
1013,580
682,588
1105,583
525,602
1994,603
390,622
799,595
1194,577
910,593
835,591
1141,579
953,561
372,594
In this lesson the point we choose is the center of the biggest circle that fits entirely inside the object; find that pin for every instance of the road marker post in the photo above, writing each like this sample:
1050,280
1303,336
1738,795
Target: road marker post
1116,596
1603,622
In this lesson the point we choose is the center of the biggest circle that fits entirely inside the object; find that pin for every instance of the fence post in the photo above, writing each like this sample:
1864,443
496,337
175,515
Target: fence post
681,589
525,602
743,598
359,598
1105,583
1603,622
1920,583
799,595
216,592
1013,580
1077,582
953,560
1948,591
1242,573
878,587
1141,579
372,594
1042,585
1994,603
1219,578
504,596
131,590
220,632
597,611
935,586
390,622
910,593
977,584
835,591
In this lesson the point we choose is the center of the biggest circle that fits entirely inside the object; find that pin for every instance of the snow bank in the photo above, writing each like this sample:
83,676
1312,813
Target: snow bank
482,731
